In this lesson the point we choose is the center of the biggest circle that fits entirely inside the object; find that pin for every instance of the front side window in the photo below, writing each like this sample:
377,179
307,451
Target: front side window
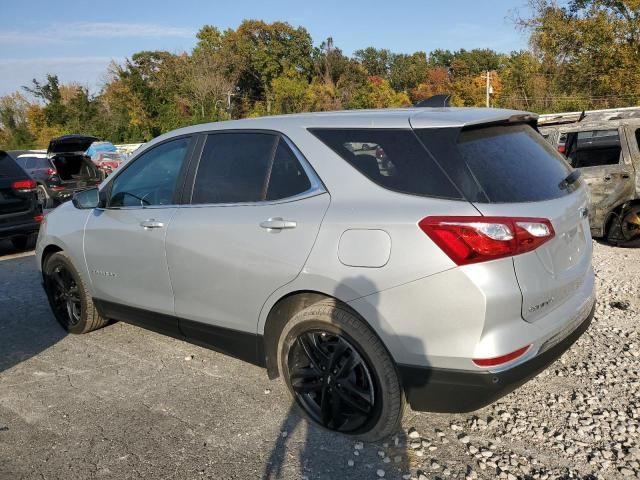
593,148
152,178
247,167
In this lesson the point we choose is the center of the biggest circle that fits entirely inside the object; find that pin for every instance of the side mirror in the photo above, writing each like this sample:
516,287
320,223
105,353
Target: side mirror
88,199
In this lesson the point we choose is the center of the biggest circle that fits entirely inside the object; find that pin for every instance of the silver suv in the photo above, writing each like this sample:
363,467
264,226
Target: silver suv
441,256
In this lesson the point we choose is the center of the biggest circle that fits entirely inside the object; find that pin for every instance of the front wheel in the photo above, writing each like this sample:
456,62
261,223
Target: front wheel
339,373
68,296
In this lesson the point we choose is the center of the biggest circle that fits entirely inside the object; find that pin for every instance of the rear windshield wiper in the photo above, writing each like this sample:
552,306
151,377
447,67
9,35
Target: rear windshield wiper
570,179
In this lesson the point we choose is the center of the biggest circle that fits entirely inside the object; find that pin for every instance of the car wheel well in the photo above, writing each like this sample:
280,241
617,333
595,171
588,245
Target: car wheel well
281,312
616,212
48,251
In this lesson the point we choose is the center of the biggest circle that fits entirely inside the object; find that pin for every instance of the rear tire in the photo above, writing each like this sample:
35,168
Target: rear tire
68,296
44,198
339,373
624,230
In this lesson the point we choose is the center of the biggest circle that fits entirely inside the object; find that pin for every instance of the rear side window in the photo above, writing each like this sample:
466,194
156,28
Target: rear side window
247,167
499,164
394,159
593,148
9,168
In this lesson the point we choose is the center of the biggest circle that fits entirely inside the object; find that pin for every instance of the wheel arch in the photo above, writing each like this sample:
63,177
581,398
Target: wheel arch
283,310
616,212
48,251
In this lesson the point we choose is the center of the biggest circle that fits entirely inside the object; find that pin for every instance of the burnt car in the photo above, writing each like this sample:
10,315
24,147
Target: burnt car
20,213
65,170
607,153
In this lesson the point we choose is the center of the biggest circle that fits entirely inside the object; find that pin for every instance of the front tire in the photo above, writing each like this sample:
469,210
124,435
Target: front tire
68,296
339,373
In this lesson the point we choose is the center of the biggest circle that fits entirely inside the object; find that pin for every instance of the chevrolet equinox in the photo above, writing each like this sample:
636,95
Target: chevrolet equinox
436,256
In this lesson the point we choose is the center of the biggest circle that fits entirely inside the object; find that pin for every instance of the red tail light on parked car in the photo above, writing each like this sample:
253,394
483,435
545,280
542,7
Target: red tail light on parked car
51,171
479,239
23,185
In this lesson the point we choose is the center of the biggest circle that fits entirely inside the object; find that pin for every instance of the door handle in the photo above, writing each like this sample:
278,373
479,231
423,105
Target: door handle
277,223
151,224
625,175
608,177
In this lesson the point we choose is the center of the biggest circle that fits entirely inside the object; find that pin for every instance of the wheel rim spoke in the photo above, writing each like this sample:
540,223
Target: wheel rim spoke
331,381
64,294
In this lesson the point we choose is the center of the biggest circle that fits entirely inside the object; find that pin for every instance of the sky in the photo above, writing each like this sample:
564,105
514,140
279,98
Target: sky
77,39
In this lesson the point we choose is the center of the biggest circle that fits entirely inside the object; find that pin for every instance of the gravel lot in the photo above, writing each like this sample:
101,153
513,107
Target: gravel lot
123,403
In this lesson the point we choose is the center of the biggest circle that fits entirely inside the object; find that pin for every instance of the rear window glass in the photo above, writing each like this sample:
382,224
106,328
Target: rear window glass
513,164
393,159
9,168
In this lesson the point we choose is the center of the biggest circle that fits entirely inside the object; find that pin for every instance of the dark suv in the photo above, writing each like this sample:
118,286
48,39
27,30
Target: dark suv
64,169
20,213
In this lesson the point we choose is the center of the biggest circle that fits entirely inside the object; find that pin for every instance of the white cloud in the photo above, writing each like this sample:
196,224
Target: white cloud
68,32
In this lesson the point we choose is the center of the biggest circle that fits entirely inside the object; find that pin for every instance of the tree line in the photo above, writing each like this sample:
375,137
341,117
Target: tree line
582,55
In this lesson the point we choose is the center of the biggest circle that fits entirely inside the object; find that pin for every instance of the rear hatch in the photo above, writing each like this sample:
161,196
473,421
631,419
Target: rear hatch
75,170
13,200
509,170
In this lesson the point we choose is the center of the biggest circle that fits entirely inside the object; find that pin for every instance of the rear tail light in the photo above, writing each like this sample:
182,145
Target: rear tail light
495,361
479,239
562,148
51,171
24,185
39,217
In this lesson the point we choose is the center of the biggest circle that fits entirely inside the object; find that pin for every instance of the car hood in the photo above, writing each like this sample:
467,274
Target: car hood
70,144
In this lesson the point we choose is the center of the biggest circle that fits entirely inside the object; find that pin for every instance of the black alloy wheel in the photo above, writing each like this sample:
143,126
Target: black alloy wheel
64,295
332,382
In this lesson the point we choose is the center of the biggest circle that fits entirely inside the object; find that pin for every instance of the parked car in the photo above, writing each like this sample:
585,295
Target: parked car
607,153
20,213
99,147
108,161
448,279
64,169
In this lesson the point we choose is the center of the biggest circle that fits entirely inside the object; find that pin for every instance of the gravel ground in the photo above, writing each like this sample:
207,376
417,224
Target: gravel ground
123,403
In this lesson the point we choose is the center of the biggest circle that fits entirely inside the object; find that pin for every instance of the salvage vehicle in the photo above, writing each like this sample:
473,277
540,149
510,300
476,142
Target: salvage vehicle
108,161
446,264
20,213
607,154
64,169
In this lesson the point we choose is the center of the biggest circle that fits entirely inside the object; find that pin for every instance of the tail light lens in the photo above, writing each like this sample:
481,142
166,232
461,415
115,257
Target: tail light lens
51,171
479,239
23,185
39,217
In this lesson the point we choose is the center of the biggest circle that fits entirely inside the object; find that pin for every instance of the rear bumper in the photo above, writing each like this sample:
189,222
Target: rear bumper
17,229
457,391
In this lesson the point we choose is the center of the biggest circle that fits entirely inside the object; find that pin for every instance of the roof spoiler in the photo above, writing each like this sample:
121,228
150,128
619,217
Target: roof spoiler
436,101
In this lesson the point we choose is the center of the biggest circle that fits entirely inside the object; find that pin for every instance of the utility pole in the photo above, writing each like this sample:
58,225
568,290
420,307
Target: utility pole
488,78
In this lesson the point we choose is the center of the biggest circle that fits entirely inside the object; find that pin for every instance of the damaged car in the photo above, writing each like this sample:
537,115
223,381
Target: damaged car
607,154
68,170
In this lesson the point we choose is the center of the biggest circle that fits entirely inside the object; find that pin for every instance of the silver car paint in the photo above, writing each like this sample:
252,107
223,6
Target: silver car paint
426,310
